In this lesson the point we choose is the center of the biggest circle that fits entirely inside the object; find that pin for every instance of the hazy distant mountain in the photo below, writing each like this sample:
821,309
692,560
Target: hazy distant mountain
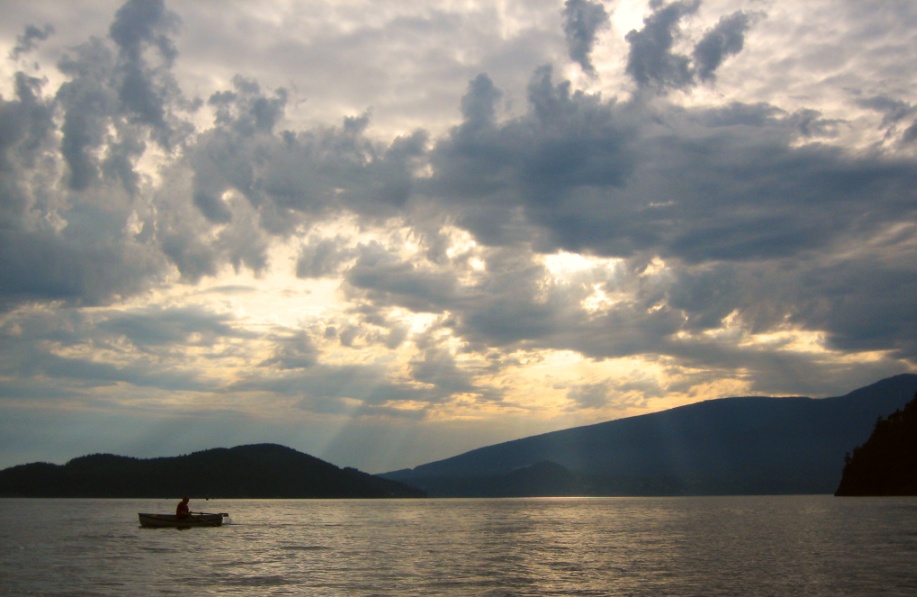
887,463
254,471
752,445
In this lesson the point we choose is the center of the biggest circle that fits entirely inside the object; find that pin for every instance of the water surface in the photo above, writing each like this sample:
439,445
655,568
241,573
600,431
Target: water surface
787,545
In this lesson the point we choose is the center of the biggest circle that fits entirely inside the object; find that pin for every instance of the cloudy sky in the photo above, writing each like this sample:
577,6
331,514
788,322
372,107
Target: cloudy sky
385,233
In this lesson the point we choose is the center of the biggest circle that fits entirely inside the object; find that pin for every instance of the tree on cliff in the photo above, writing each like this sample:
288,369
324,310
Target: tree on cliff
887,463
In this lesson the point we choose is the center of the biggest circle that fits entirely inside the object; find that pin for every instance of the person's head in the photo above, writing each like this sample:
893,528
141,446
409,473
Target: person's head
185,499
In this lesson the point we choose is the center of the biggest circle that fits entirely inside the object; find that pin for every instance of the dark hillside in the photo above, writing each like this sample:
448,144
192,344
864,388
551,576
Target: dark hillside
887,463
254,471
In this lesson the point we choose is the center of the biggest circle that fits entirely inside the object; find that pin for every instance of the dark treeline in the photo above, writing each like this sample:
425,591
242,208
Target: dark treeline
254,471
887,463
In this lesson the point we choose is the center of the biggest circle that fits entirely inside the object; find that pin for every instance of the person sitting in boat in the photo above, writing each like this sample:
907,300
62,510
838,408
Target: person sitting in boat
182,510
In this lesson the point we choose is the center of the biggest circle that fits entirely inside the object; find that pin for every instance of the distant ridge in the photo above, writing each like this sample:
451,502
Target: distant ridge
750,445
252,471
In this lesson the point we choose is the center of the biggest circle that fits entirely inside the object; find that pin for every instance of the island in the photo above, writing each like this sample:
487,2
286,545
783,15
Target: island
886,465
251,471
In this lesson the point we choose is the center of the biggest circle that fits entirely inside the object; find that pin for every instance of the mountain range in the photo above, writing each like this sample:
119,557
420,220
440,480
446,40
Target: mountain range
253,471
747,445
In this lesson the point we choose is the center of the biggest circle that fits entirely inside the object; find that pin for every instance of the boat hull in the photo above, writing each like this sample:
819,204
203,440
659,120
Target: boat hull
159,521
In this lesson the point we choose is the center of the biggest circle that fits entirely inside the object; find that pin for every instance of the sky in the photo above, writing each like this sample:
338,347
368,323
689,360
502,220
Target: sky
386,233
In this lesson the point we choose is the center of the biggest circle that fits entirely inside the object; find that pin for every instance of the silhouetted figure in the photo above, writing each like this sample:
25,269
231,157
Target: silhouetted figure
182,510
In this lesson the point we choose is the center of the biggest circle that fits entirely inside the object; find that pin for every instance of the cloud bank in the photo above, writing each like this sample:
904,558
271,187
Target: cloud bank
559,253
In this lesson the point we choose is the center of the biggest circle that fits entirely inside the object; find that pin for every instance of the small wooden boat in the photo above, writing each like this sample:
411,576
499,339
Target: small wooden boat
197,519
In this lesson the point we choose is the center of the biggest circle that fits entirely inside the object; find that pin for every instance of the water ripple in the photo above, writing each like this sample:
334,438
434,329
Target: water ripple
809,545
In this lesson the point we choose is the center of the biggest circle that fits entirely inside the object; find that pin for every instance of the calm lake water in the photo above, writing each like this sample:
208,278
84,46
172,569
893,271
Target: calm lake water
798,545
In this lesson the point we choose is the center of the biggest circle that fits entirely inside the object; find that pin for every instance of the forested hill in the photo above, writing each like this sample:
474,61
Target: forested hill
253,471
887,463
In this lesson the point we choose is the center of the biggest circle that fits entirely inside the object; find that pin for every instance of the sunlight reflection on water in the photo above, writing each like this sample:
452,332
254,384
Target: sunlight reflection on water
803,545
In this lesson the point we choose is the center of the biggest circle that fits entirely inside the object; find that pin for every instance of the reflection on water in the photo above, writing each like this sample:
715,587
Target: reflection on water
802,545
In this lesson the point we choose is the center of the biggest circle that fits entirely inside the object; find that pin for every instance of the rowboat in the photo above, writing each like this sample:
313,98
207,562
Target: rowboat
202,519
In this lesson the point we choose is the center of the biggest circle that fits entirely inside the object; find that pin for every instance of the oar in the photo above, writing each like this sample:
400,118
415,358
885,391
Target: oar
223,514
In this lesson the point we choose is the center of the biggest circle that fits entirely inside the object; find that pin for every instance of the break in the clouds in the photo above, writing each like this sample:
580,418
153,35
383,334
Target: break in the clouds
348,233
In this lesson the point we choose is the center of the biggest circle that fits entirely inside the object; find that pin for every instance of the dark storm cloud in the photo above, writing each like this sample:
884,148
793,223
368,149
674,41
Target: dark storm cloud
489,173
330,387
654,65
322,257
194,258
91,241
512,306
53,372
810,291
144,88
619,396
708,186
727,38
54,247
910,134
746,215
295,351
156,329
104,85
32,339
224,157
582,21
26,126
618,179
895,113
861,303
139,23
589,395
722,187
29,39
88,102
437,367
369,324
230,196
509,306
651,62
389,280
574,140
246,110
44,266
769,201
666,245
479,103
289,177
118,98
334,388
